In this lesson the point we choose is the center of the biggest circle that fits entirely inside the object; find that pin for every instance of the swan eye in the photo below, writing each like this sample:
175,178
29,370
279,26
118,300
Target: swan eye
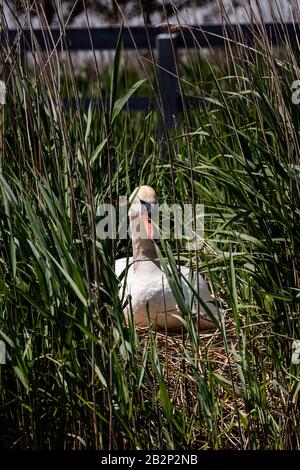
147,205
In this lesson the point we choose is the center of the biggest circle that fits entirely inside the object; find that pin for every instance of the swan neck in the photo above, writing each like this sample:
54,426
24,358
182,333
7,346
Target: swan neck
143,249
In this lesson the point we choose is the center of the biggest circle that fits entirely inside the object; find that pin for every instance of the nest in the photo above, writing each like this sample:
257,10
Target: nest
183,367
179,359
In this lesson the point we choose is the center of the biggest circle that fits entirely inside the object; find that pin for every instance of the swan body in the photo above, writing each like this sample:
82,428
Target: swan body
146,284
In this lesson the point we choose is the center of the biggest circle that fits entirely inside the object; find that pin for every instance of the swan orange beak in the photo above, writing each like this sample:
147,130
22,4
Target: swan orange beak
149,227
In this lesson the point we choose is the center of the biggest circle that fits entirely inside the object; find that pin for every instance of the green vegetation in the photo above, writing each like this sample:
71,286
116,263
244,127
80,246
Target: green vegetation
76,376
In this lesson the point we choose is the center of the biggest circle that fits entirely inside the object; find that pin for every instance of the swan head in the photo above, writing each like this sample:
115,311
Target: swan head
143,204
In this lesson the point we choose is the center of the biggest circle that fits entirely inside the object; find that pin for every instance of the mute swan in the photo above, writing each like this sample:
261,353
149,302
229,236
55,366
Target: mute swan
146,282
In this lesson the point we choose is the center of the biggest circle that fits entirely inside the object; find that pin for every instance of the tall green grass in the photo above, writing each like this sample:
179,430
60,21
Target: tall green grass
76,376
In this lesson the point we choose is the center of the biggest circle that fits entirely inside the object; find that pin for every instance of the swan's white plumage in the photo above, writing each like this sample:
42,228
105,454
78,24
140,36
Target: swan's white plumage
147,285
146,282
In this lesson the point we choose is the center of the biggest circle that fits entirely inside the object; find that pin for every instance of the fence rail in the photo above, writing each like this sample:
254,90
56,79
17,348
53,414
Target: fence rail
141,37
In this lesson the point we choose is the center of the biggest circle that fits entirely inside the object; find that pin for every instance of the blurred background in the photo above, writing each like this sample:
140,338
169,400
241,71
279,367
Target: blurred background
103,12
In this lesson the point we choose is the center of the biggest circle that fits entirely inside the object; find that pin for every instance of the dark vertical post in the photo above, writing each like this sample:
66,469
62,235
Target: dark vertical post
169,98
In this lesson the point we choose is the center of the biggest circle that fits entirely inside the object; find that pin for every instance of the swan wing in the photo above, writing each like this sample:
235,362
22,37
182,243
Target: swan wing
204,292
121,265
